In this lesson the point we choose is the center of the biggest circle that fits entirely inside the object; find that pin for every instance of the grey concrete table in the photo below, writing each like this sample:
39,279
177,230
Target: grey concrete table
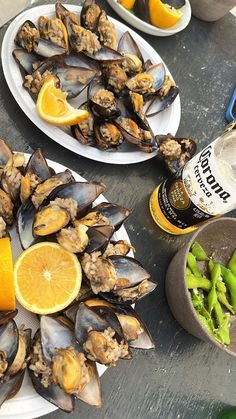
183,377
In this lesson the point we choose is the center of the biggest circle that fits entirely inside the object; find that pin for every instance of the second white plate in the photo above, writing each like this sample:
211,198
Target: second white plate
164,123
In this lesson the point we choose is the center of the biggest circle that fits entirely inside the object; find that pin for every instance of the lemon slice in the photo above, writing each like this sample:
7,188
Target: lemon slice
7,293
163,15
53,107
47,278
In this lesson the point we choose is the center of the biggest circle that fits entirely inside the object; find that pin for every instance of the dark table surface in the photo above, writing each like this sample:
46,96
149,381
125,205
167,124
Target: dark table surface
183,377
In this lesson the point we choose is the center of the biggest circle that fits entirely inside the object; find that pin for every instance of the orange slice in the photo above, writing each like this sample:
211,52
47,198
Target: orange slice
47,278
163,15
53,107
7,293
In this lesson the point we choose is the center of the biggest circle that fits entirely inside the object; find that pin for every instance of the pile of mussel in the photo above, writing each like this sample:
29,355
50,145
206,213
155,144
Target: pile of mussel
100,325
84,52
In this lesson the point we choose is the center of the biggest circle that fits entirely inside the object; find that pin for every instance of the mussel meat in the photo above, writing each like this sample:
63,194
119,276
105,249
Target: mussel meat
107,135
54,31
27,36
102,101
89,15
133,62
115,76
83,131
81,39
121,247
73,239
50,219
3,231
164,98
6,207
106,31
175,151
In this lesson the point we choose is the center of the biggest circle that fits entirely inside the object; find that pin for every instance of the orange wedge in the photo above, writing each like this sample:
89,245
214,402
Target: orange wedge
53,107
7,293
163,15
47,278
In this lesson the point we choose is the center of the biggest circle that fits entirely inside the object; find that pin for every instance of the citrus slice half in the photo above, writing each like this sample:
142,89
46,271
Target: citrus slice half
47,278
7,293
163,15
53,107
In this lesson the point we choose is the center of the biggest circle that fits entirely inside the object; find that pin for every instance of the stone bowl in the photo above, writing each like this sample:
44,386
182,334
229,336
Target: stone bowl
217,237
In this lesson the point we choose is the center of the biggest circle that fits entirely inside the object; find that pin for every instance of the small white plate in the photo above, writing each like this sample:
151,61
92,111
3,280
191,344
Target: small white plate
27,404
143,26
164,123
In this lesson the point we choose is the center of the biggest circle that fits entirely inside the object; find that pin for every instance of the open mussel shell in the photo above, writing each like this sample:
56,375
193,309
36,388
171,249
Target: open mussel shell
54,335
158,105
116,214
185,150
74,80
5,316
63,13
99,238
84,193
95,86
47,49
27,210
27,40
157,71
25,59
38,166
106,55
91,394
89,15
127,44
177,4
5,153
87,136
9,338
129,268
80,60
9,388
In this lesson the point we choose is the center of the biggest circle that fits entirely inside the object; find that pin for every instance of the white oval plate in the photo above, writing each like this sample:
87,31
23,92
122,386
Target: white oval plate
27,404
143,26
164,123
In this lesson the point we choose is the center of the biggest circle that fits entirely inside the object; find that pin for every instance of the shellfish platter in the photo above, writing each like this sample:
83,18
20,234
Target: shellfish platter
62,355
119,80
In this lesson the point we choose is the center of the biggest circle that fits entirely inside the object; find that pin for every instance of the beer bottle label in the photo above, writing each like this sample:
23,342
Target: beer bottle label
200,192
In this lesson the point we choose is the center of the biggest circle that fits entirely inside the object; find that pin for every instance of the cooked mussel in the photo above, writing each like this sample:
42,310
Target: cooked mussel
89,15
105,213
134,134
83,131
49,220
5,154
149,82
100,335
5,316
54,31
106,55
106,31
102,101
115,76
81,39
63,13
120,247
27,36
6,207
107,135
3,228
164,97
14,351
175,151
11,176
133,62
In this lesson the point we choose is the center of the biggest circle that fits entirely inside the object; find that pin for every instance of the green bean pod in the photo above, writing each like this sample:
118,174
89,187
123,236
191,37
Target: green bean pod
232,263
198,251
230,281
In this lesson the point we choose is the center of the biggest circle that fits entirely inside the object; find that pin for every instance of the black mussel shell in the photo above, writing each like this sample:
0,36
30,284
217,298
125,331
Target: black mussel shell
172,163
106,55
177,4
9,339
99,238
73,80
26,60
91,7
141,10
63,13
158,105
53,394
81,60
82,192
128,44
116,214
29,42
47,49
148,64
54,335
116,297
130,268
5,316
158,72
108,113
9,388
38,166
5,153
91,394
76,130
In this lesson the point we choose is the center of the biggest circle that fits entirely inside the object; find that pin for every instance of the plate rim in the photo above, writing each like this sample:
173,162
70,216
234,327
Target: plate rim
145,26
55,133
46,407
